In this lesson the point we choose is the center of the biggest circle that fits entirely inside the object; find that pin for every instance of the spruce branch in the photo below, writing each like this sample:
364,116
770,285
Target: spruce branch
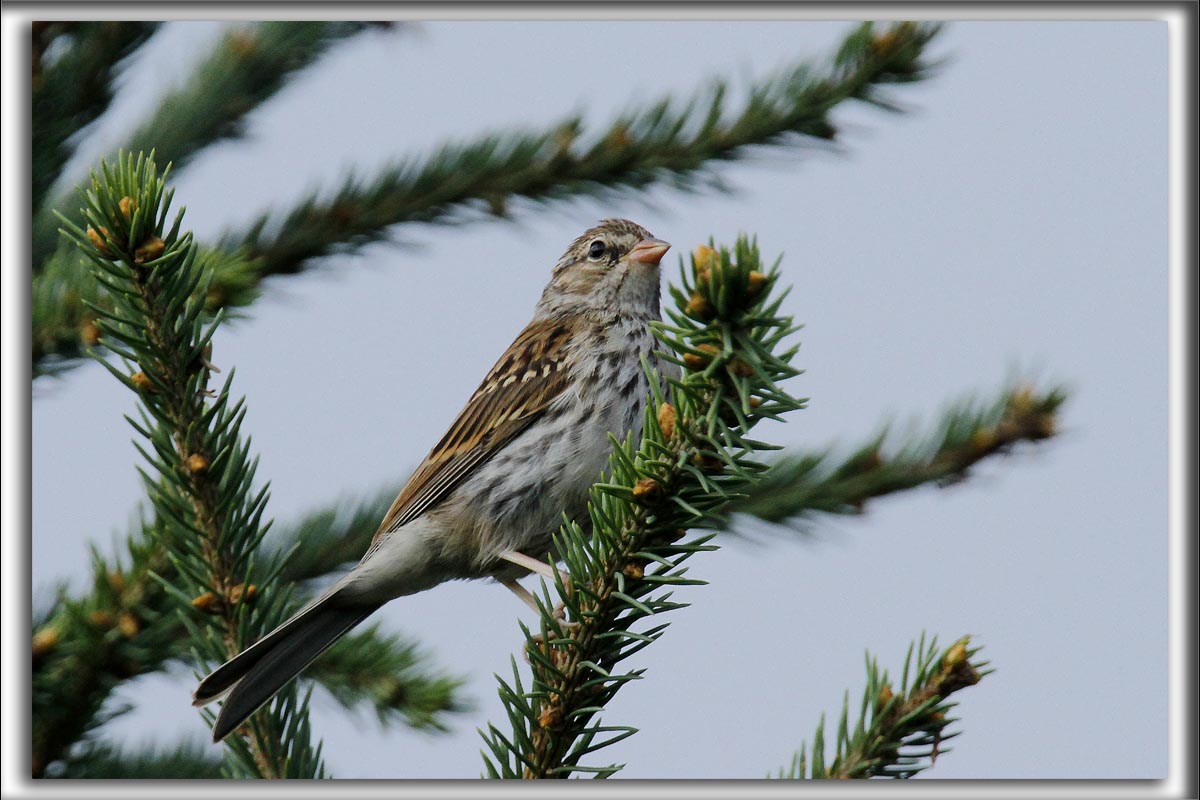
87,646
669,142
66,301
70,90
694,452
202,486
248,65
384,672
331,536
84,647
898,733
798,486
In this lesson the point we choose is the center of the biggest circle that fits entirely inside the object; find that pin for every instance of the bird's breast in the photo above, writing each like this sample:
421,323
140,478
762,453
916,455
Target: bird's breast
517,499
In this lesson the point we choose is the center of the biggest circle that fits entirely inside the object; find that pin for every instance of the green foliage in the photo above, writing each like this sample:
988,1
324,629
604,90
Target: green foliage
335,535
86,646
69,301
800,485
126,624
694,454
384,671
70,90
248,65
898,733
202,479
668,142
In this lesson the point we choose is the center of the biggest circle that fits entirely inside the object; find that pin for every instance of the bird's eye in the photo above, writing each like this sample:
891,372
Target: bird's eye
596,250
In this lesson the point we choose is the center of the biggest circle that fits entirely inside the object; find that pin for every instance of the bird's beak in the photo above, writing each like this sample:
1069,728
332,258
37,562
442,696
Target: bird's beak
649,251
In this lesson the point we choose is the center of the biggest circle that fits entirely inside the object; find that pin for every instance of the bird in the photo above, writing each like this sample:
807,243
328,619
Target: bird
523,452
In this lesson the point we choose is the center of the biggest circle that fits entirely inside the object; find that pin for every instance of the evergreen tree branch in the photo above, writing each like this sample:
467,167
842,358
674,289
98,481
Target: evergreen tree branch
798,486
204,490
664,143
672,143
128,625
187,761
87,646
897,735
248,65
331,536
694,452
66,301
383,671
71,90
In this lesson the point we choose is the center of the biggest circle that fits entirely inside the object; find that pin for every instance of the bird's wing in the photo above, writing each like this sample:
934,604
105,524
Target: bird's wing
517,390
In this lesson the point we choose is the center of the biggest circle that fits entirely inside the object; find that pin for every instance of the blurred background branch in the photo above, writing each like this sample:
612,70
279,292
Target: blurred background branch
799,486
248,66
675,143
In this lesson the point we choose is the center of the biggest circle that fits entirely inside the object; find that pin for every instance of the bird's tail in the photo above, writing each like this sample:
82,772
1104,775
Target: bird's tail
254,675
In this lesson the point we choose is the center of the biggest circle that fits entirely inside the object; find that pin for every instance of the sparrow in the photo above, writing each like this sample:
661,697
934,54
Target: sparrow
524,451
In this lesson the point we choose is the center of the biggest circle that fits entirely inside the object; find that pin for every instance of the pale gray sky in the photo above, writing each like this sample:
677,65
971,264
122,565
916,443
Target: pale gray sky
1014,221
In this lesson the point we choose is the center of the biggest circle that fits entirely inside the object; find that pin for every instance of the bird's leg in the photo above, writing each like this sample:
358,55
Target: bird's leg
547,571
521,592
528,598
533,565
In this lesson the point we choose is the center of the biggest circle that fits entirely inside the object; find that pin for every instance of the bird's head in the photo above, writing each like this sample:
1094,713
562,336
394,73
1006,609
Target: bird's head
612,267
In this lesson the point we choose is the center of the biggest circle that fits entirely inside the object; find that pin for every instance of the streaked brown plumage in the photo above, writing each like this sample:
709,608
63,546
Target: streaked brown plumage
519,387
524,450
